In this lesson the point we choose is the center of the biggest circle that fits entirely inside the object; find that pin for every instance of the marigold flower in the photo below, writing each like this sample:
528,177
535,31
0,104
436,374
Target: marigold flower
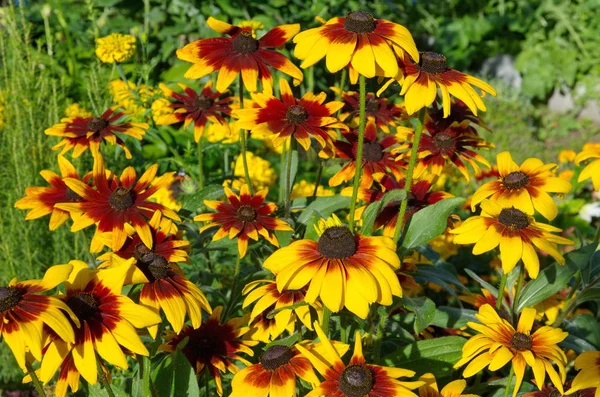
262,175
81,133
515,232
359,40
214,345
592,169
566,156
76,110
588,365
115,47
499,343
306,189
337,263
525,187
23,312
240,53
452,389
134,100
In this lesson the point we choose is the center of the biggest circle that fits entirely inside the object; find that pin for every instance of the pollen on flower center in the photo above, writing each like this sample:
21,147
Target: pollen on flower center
520,341
9,298
360,22
275,357
443,141
296,114
246,213
244,43
121,199
72,195
513,218
356,381
97,124
515,180
155,267
84,305
202,103
337,242
159,267
372,151
431,62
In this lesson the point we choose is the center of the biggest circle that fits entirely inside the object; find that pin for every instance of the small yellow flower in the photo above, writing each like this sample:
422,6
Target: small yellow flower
160,107
115,47
566,156
76,110
134,100
306,189
262,174
254,25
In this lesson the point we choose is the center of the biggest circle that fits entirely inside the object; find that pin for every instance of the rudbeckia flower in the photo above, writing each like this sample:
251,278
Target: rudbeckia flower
343,269
114,201
240,53
115,47
359,40
107,326
500,343
588,365
41,201
81,133
214,345
196,107
452,389
290,117
591,170
23,312
551,391
515,232
244,217
357,378
525,187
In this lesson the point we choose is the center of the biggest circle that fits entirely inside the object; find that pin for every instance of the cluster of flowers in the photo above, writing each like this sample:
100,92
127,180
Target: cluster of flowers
93,322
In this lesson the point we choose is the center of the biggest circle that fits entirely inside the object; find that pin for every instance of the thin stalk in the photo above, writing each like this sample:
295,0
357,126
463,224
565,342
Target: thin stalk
379,338
288,180
103,380
501,291
519,287
409,173
325,320
243,138
318,180
200,163
281,166
236,274
597,235
359,150
509,381
35,380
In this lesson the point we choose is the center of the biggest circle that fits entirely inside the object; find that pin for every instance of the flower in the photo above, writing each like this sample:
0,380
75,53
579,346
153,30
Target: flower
551,391
76,110
357,378
588,365
592,169
41,201
244,217
359,40
170,189
213,346
23,312
419,81
499,343
377,159
134,100
81,133
240,53
108,321
115,47
262,175
452,389
515,232
252,24
342,262
197,108
114,201
306,189
525,187
566,156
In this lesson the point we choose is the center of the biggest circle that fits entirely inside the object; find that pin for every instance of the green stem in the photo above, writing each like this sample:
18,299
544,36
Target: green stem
571,303
35,380
509,381
597,235
200,163
500,297
288,180
318,180
520,281
281,167
243,138
379,337
103,380
409,174
359,150
236,274
124,78
325,322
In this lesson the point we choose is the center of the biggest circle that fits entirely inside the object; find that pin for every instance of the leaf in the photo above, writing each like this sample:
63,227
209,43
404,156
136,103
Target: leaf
451,317
185,383
431,355
430,222
98,390
192,202
588,295
294,170
424,310
323,207
484,284
142,386
162,376
584,326
576,343
373,209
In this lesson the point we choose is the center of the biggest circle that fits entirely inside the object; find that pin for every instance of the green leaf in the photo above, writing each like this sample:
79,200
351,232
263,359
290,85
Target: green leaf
98,391
431,355
588,295
192,202
185,383
585,327
373,209
493,290
440,274
424,310
142,386
162,376
294,170
323,207
430,222
452,317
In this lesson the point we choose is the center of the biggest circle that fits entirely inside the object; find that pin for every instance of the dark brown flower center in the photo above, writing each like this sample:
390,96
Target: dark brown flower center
372,151
521,341
360,22
372,105
84,305
443,141
202,103
244,43
121,199
9,298
72,195
356,381
275,357
337,242
555,393
431,62
97,124
296,114
513,218
155,267
246,213
515,180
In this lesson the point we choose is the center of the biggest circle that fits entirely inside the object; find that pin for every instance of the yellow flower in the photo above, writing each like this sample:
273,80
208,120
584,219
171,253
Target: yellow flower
254,25
566,156
306,189
215,132
134,104
262,174
592,170
567,175
115,47
160,107
452,389
588,363
76,110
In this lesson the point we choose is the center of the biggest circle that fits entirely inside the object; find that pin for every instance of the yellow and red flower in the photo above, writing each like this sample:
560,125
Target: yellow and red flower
592,169
244,217
288,117
588,365
241,53
500,343
525,187
196,107
81,133
214,345
367,44
338,263
551,391
452,389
